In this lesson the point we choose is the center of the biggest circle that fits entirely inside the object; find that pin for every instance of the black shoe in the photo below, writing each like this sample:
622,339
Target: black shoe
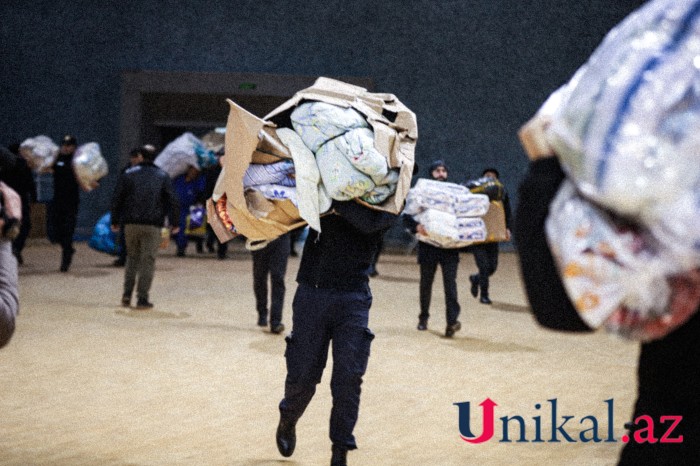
262,321
119,263
422,325
18,255
277,329
286,437
180,252
485,300
475,284
451,329
143,304
126,301
339,456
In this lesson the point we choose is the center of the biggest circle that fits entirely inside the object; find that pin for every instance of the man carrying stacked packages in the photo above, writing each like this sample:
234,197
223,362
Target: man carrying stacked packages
445,217
352,153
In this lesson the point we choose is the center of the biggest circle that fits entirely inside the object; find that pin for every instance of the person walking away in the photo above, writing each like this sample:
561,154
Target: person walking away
143,199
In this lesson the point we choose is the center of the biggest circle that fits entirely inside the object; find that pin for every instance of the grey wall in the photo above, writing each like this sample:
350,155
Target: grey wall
472,70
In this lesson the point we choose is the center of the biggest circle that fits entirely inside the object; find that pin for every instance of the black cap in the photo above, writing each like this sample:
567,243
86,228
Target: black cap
493,170
69,140
436,164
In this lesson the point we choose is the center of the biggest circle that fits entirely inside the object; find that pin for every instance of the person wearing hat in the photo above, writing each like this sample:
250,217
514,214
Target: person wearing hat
429,257
66,200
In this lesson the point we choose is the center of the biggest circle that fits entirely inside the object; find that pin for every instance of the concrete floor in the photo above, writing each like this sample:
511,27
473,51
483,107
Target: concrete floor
196,382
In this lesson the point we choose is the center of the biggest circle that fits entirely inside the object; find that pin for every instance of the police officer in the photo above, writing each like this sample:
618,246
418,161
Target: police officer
332,303
66,200
271,260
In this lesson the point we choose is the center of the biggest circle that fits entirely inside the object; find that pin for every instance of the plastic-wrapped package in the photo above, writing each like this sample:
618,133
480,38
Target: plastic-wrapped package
447,231
319,122
626,130
626,127
277,192
446,197
604,263
89,165
180,154
40,152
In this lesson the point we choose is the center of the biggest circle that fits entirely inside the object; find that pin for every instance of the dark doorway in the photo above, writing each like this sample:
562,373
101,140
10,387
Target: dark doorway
158,107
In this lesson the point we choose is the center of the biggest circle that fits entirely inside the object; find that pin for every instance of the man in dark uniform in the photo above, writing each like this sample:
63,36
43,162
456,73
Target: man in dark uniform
271,260
429,257
332,303
66,200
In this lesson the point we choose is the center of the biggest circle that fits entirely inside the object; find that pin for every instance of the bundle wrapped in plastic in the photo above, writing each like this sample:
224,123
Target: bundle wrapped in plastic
89,165
103,239
447,231
449,213
604,262
445,197
626,126
625,129
40,152
185,151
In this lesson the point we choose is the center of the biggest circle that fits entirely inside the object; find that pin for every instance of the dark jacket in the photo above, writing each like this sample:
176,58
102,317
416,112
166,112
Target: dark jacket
340,256
545,290
66,191
144,196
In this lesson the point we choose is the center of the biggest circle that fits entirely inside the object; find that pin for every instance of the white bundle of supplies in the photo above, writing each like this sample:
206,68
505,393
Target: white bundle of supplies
89,165
449,213
627,131
40,152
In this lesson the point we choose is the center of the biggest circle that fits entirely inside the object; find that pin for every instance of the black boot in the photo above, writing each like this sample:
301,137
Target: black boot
286,437
66,259
339,457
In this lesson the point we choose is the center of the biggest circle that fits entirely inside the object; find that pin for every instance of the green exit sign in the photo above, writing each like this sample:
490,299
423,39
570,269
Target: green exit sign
247,86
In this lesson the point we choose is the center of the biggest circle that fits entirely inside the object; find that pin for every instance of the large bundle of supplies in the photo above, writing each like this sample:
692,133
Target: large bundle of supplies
626,128
89,165
185,151
40,152
332,141
450,213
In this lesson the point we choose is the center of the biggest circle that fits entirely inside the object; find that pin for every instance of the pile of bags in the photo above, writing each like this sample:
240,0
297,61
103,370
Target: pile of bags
185,151
88,163
450,213
330,141
625,128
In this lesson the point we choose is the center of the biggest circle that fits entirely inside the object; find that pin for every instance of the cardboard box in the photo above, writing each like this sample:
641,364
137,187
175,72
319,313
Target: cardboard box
250,139
495,220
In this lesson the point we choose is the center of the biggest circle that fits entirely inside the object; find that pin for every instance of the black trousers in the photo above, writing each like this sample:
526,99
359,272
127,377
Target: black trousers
486,258
323,318
668,380
429,257
271,261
